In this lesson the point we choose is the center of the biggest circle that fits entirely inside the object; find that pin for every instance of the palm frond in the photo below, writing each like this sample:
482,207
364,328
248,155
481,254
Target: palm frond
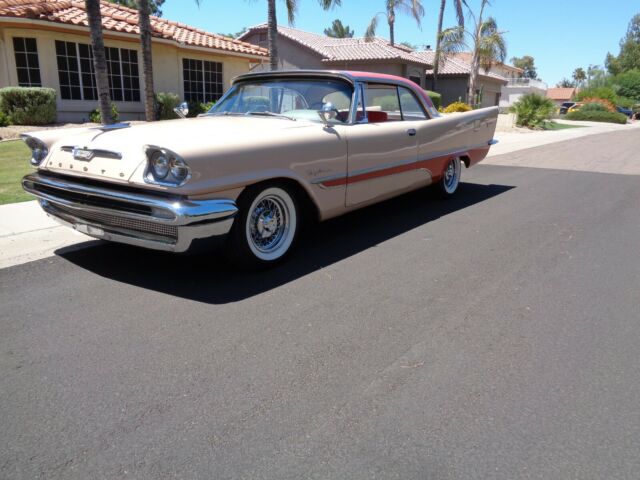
410,7
459,11
492,46
327,4
370,33
452,40
292,9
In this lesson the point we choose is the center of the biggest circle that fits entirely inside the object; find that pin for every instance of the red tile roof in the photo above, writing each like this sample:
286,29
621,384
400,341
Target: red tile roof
455,66
561,93
117,18
345,49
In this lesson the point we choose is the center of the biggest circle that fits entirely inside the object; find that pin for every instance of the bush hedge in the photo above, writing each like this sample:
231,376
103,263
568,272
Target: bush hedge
606,104
95,117
4,119
165,103
435,97
533,110
597,116
457,107
28,105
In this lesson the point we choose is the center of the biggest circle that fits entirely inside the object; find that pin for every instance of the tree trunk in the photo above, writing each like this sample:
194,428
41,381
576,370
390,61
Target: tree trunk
391,18
272,22
436,66
144,10
475,63
99,60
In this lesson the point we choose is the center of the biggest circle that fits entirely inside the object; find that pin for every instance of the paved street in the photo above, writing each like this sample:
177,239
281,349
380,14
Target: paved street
492,336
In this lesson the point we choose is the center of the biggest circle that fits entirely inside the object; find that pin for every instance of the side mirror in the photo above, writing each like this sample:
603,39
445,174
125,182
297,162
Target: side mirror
182,110
327,112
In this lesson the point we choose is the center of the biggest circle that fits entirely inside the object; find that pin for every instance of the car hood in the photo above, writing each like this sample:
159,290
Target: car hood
118,154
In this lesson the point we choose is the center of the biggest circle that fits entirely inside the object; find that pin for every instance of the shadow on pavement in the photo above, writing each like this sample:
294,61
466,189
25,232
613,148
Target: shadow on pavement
205,278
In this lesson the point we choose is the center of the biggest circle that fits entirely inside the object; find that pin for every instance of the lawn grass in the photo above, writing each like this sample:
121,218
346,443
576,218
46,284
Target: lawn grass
14,164
559,126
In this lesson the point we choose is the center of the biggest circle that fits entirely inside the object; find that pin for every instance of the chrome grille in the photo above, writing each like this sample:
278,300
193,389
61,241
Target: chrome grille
109,220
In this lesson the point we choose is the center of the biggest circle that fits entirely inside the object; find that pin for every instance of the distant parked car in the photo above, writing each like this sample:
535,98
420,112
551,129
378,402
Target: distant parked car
564,108
627,111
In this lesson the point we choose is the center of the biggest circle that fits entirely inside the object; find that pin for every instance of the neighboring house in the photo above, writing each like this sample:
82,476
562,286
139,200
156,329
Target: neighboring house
560,95
298,49
454,76
47,44
516,86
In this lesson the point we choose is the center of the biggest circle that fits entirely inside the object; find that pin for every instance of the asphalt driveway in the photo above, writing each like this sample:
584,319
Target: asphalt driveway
492,336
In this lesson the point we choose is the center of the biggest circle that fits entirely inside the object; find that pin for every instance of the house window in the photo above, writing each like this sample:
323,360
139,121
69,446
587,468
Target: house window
124,80
202,80
77,75
416,80
27,65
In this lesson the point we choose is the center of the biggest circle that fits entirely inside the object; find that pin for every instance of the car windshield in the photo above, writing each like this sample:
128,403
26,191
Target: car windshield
287,98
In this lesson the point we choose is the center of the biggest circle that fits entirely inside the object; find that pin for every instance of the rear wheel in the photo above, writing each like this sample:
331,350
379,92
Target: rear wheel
448,185
265,229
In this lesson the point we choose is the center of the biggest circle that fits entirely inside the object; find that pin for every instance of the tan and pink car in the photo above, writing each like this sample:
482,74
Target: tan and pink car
276,150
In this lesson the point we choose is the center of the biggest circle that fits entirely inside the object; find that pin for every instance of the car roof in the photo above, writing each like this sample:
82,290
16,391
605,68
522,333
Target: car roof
349,75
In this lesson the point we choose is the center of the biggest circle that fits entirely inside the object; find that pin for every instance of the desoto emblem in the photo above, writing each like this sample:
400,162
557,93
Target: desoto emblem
83,154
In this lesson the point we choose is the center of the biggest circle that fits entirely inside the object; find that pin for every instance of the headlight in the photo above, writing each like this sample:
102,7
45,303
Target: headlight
39,150
165,167
179,169
159,165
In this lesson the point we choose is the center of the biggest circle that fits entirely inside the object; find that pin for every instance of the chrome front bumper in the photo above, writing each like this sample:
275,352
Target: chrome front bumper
145,220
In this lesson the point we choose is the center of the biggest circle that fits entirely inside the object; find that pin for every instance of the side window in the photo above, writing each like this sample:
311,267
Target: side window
382,104
411,108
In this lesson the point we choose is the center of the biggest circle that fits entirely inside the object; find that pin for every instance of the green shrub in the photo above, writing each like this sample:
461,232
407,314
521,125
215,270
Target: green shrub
165,103
435,97
593,107
95,117
627,84
607,93
533,110
597,116
4,119
457,107
28,106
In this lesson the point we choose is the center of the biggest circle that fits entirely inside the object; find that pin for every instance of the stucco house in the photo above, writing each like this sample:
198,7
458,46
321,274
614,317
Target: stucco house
454,77
298,49
47,44
516,85
560,95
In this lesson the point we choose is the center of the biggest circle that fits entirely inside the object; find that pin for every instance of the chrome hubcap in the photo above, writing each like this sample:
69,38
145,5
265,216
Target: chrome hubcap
452,175
268,224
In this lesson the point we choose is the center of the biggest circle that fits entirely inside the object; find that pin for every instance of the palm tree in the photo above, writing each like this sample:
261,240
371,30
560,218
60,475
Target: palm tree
410,7
437,60
272,24
579,75
487,44
144,10
338,30
99,60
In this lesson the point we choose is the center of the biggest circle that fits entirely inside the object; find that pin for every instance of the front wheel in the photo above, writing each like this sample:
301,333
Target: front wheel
448,185
266,227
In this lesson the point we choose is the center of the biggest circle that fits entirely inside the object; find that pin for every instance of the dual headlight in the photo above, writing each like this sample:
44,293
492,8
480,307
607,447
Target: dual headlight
39,150
166,167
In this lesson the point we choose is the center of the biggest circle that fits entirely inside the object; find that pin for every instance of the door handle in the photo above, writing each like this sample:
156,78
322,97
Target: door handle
411,132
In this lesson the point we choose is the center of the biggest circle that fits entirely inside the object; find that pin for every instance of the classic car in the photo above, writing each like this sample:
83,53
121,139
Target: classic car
276,150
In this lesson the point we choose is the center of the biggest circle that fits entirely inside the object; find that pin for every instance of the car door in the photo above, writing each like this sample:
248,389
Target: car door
382,147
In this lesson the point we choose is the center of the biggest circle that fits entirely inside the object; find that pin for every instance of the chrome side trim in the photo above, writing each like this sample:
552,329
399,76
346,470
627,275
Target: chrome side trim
163,210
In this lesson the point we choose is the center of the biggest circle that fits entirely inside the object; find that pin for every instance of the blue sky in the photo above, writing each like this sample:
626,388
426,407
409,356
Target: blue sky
560,34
